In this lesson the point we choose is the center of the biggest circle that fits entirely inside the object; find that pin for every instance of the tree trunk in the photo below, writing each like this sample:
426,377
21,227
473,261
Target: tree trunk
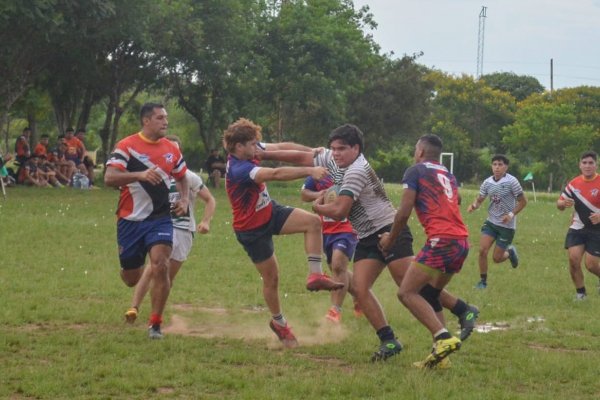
105,131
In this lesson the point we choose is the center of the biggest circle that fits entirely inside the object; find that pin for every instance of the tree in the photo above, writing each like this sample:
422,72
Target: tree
469,115
211,62
549,132
25,29
394,103
519,86
316,54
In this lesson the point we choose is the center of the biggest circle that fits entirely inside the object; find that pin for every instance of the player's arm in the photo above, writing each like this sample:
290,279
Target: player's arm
521,203
476,204
183,187
116,177
564,202
288,173
210,205
308,195
338,209
407,203
304,158
287,146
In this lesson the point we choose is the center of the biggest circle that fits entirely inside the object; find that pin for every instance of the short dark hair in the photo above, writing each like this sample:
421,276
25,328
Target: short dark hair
349,134
27,129
70,129
148,109
589,153
44,136
501,157
432,144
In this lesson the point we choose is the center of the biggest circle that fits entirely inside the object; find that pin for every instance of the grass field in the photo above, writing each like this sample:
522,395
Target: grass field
62,335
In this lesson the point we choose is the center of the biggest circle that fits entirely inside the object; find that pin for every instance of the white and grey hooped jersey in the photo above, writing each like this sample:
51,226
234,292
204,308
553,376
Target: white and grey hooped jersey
187,221
503,198
372,209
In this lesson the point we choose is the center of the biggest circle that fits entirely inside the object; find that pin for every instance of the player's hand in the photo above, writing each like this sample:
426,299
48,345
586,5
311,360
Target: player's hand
319,173
203,227
259,152
181,207
471,208
568,202
506,218
151,175
384,242
318,150
595,218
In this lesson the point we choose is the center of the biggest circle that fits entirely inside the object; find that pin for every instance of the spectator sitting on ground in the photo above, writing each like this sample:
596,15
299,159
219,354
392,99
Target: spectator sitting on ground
215,165
4,173
88,163
47,162
29,174
64,168
75,150
22,149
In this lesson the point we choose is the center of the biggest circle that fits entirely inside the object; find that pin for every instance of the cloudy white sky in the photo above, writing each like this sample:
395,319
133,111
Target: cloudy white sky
521,36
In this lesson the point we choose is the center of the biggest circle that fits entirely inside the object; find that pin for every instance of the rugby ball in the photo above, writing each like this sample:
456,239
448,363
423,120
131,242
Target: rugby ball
331,194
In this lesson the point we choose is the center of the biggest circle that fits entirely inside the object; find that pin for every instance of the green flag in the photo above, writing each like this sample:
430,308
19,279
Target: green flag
528,177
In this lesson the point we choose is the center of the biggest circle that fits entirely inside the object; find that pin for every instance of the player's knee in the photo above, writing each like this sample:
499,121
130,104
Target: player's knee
498,258
432,296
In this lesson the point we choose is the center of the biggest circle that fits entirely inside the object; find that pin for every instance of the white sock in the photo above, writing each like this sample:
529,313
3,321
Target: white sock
314,263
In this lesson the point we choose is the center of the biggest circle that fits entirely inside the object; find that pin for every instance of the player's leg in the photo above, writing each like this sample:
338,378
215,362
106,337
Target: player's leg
339,271
269,272
575,257
161,286
132,250
139,292
296,220
485,243
592,249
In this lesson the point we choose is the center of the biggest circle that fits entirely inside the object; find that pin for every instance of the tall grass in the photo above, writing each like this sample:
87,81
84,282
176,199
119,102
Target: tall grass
62,334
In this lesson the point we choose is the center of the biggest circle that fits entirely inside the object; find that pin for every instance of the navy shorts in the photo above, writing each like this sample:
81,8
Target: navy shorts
258,242
586,237
444,254
369,247
345,242
135,238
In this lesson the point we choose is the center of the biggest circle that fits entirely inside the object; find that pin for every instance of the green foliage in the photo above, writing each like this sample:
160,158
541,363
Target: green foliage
549,131
519,86
390,165
393,104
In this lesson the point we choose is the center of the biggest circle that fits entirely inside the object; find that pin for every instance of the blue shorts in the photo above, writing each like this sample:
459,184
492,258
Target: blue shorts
135,238
258,242
345,242
444,254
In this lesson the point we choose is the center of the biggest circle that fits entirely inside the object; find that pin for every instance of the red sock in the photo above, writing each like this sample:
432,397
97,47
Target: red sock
155,319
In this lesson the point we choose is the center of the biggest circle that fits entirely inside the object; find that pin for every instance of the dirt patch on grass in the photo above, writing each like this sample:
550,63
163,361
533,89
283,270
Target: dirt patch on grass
221,324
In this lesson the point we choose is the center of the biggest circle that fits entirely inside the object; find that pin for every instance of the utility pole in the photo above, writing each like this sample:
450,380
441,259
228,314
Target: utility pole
480,40
551,76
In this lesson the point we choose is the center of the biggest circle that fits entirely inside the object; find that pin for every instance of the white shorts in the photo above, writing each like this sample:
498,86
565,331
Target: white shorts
182,244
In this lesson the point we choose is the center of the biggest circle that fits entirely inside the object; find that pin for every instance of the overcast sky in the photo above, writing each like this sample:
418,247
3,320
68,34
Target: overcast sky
521,36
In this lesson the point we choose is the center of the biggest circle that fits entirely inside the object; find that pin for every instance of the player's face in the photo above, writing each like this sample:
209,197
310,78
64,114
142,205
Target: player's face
588,167
418,156
156,125
499,169
344,154
246,150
